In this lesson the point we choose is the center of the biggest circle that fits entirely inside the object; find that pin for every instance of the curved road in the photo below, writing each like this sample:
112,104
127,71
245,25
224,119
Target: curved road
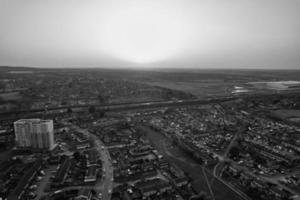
104,185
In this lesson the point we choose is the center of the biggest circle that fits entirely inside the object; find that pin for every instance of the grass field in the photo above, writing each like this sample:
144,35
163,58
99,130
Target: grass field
199,89
10,96
292,116
5,155
203,83
287,115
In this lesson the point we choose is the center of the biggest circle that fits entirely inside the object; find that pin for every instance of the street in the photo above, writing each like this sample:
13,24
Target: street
104,185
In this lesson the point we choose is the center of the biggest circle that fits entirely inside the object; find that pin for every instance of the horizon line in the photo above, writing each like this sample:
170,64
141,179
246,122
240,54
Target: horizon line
145,68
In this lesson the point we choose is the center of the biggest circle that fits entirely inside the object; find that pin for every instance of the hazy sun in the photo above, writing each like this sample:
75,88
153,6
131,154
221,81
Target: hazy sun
143,33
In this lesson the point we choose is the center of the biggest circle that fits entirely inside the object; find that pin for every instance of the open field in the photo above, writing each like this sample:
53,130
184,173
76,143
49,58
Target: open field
277,85
5,155
198,88
10,96
206,83
9,100
286,114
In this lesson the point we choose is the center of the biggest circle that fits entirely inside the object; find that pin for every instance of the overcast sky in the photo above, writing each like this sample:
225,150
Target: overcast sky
150,33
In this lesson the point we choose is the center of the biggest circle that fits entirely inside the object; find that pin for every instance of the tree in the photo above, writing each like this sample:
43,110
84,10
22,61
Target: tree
234,152
201,196
92,109
69,110
93,192
76,155
100,113
102,99
2,85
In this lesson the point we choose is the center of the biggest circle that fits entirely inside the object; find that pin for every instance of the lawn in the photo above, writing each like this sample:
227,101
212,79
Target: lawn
199,89
287,115
10,96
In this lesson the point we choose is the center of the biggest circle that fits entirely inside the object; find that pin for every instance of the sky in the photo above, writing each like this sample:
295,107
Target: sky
150,33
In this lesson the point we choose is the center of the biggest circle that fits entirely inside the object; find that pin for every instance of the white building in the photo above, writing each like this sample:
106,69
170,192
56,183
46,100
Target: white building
34,133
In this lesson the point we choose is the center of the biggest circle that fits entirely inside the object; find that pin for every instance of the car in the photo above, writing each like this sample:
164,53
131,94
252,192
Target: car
32,195
33,187
57,191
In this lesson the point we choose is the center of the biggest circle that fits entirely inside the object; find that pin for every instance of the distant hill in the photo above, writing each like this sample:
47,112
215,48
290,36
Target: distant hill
17,68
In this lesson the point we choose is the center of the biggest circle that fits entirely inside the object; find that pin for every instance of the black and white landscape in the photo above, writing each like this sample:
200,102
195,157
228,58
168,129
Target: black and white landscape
153,100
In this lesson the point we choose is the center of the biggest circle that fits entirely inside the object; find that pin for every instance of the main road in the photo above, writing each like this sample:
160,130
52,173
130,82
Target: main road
103,186
224,156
